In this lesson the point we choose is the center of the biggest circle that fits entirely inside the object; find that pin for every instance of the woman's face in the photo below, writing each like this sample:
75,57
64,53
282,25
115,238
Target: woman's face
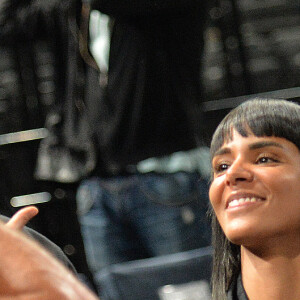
255,191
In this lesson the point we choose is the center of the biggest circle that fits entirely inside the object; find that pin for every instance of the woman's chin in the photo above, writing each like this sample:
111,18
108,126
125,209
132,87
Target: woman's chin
242,235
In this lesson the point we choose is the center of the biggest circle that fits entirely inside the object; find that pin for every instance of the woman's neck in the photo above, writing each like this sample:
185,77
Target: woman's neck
272,273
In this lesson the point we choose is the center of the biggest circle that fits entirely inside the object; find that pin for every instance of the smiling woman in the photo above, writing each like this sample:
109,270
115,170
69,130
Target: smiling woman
255,199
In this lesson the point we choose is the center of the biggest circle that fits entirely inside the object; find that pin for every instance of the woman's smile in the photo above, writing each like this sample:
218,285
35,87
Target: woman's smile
242,199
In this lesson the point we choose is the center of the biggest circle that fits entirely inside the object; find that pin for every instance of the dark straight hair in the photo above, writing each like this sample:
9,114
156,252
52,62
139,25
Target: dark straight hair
259,117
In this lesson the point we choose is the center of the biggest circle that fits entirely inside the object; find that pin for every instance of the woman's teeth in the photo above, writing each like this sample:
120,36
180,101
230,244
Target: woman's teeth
243,200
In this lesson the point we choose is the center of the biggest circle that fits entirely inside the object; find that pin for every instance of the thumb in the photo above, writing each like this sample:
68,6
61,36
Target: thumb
22,217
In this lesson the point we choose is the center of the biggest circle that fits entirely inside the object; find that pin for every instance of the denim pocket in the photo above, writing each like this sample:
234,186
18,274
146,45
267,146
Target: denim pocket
174,189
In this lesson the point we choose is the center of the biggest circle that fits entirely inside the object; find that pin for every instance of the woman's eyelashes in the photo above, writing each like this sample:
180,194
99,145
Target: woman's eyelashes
267,158
222,166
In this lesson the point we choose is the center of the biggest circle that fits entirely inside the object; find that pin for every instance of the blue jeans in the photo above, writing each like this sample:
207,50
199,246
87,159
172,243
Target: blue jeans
131,217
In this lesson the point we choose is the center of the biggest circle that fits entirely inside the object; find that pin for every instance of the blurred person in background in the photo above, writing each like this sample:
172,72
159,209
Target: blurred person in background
147,195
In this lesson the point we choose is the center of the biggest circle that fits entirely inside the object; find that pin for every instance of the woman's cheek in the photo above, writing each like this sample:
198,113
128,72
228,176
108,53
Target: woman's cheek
216,191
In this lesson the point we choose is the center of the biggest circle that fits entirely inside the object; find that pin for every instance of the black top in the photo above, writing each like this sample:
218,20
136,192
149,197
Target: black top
237,291
154,89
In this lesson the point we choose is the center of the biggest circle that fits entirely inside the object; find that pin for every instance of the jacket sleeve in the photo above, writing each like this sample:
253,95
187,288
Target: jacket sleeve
140,8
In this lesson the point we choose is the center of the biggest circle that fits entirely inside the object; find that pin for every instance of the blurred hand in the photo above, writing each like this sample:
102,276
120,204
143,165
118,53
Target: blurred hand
22,217
28,271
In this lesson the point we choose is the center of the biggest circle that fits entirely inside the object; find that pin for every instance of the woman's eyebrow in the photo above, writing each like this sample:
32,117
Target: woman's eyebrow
263,144
222,151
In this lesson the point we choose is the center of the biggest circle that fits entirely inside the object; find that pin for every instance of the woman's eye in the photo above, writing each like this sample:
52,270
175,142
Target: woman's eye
221,167
266,159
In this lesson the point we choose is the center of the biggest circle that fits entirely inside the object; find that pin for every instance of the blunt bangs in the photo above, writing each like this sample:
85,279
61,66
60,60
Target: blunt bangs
260,117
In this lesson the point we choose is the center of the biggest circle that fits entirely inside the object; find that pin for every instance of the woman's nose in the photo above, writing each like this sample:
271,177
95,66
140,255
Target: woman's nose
238,172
